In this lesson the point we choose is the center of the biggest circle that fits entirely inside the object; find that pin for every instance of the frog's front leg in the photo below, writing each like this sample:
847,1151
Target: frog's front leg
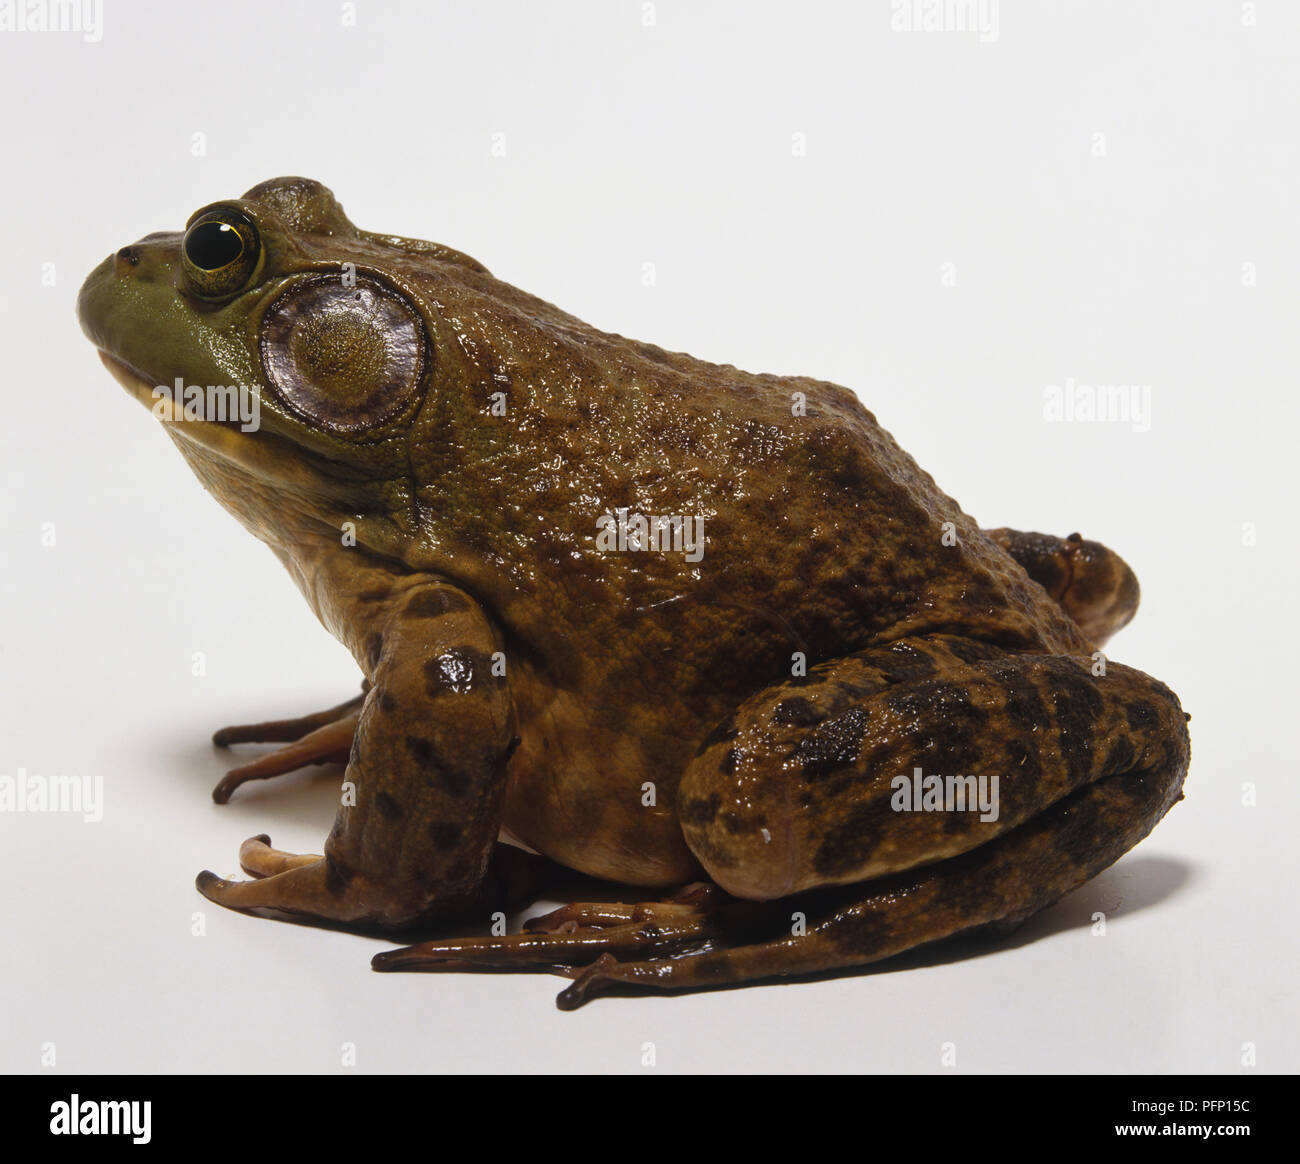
424,784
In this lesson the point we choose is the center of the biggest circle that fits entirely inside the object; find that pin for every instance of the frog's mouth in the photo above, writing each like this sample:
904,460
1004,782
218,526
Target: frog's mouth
255,473
226,435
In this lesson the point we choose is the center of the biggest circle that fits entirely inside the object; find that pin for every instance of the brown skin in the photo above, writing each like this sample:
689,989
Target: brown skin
435,449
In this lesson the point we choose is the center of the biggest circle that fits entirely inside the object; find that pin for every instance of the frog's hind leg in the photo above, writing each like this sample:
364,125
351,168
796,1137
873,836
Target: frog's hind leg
324,737
702,938
909,753
1093,584
994,888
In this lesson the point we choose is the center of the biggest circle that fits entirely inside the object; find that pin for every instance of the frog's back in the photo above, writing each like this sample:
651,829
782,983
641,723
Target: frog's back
869,532
818,524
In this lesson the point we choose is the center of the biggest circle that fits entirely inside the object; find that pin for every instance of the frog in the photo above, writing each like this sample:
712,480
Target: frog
707,638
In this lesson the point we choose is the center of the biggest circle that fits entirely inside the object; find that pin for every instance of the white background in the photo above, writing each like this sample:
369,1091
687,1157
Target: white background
670,144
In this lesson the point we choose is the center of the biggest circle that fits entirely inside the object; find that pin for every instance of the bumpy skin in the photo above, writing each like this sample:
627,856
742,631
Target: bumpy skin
634,716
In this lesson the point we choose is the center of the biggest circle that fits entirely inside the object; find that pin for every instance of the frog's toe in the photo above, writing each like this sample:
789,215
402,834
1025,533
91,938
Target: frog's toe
331,743
258,859
605,971
302,886
564,948
689,902
283,731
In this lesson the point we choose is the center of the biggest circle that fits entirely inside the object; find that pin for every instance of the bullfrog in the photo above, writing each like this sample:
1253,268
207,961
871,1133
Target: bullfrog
709,636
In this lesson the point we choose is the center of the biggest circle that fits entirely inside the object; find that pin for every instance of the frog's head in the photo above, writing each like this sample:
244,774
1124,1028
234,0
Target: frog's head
289,354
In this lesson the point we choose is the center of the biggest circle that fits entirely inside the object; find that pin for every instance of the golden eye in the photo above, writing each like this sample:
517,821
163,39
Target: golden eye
346,357
220,252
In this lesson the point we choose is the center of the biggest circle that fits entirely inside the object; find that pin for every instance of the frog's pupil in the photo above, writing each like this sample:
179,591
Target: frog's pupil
213,245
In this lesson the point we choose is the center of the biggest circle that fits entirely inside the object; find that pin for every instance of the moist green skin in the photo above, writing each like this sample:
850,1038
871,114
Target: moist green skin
824,538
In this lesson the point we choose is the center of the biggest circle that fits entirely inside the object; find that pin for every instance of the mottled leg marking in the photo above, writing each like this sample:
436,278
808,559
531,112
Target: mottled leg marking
803,787
1093,584
414,838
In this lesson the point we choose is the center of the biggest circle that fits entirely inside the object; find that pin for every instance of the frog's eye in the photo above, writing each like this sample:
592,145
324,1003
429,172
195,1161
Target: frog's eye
345,355
220,252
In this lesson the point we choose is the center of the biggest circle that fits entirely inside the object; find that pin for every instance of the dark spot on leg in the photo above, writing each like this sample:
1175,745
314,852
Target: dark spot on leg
722,733
1140,714
1078,705
421,749
1024,706
387,702
452,781
832,744
454,670
729,761
1120,757
944,726
700,811
795,712
387,806
972,651
905,664
858,931
513,746
434,602
337,875
1077,837
848,844
444,835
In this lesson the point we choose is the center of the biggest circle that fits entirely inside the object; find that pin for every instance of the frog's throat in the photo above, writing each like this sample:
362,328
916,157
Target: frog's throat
254,452
279,498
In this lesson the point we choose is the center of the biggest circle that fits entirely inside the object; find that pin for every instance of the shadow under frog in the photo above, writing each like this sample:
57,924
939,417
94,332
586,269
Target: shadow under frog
434,455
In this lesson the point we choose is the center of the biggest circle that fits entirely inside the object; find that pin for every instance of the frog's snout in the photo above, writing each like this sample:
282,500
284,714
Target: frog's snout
90,295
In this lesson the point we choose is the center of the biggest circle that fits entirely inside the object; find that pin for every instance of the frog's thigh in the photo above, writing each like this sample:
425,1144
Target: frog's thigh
816,782
423,788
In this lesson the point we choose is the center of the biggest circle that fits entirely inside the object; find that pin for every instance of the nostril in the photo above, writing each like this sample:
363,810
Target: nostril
128,255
